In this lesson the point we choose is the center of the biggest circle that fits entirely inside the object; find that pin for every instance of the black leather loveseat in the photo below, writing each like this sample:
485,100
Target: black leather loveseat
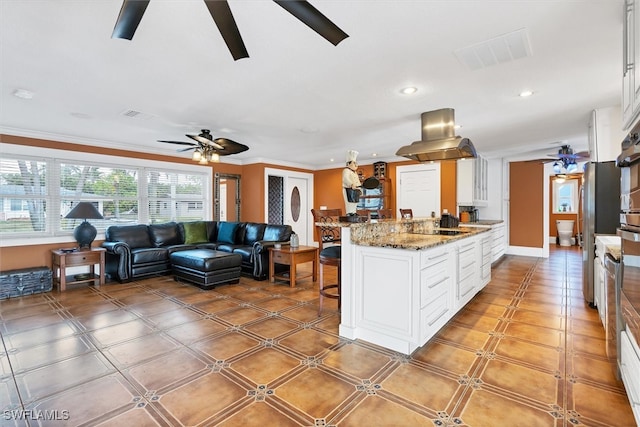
137,251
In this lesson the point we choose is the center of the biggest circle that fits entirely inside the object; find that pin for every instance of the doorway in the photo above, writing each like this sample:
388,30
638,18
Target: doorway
226,192
419,188
288,200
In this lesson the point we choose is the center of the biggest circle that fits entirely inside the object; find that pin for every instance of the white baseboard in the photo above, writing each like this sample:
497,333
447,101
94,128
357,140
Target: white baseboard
526,251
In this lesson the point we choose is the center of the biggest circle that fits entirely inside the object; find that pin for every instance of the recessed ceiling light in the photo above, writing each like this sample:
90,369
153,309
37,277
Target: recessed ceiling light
374,154
457,127
80,115
409,90
525,93
23,93
332,160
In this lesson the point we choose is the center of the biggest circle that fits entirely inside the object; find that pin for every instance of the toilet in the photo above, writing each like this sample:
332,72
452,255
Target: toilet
565,231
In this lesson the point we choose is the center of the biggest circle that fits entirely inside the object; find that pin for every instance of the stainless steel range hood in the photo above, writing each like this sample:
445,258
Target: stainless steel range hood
439,141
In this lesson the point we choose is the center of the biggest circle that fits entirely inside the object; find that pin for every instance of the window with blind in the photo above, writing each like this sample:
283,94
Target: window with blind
24,196
37,194
175,196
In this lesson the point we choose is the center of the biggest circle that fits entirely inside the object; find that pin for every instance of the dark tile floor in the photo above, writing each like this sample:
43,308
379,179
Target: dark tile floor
526,351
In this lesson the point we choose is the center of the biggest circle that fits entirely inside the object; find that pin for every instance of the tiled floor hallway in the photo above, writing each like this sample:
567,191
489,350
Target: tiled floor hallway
526,351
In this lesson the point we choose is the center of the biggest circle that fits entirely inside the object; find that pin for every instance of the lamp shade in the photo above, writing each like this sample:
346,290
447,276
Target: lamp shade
84,210
85,233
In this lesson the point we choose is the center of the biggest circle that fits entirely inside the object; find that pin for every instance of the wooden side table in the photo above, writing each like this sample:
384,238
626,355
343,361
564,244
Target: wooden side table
292,257
60,261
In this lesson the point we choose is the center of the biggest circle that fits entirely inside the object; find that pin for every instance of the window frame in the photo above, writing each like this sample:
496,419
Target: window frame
575,185
55,158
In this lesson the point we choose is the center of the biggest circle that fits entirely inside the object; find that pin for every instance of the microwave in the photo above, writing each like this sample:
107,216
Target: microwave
629,162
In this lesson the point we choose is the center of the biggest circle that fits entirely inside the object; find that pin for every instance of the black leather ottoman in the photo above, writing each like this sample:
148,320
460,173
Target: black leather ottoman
206,267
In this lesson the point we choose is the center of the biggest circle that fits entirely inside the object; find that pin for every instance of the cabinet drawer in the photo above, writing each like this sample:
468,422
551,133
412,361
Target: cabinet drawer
629,368
435,315
466,268
466,286
486,271
430,258
433,281
281,258
82,258
486,257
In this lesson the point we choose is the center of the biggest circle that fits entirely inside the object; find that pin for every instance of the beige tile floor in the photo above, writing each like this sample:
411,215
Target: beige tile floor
526,351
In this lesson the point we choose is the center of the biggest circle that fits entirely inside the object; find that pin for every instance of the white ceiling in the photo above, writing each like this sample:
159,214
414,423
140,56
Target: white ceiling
299,100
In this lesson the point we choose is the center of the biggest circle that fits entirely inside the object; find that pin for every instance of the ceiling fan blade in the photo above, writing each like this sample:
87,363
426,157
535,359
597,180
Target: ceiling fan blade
222,16
205,141
186,149
180,143
314,19
541,160
229,146
129,18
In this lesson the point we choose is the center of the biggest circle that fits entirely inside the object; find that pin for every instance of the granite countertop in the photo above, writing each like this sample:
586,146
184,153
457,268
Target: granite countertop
415,241
614,250
483,222
412,234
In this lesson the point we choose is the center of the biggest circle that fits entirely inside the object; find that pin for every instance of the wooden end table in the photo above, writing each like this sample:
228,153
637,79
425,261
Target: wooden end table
61,260
292,257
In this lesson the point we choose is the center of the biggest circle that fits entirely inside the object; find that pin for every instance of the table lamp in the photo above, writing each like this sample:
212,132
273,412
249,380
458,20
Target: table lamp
85,232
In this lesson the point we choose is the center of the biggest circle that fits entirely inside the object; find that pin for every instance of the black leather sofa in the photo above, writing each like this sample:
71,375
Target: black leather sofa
138,251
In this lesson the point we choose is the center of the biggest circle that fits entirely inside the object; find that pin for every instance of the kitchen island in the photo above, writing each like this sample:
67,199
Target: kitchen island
403,280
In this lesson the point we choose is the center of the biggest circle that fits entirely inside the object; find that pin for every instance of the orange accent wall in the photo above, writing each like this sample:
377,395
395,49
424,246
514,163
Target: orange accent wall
526,224
448,187
327,191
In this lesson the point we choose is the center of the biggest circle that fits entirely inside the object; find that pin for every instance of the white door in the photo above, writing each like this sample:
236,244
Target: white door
294,200
419,189
297,211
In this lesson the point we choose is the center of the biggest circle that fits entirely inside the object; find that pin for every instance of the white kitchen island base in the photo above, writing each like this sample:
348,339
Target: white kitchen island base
400,298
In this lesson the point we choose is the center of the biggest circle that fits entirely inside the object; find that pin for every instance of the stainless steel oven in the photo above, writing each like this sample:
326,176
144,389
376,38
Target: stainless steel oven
630,269
629,232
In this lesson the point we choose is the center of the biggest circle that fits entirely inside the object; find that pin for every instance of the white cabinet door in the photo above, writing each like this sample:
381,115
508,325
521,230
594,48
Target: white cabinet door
629,368
630,68
468,271
598,289
472,182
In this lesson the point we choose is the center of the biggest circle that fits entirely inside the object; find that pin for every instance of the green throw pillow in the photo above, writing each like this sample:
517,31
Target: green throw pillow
195,232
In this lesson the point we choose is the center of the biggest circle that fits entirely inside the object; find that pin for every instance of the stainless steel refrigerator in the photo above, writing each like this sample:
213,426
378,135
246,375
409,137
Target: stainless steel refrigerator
600,214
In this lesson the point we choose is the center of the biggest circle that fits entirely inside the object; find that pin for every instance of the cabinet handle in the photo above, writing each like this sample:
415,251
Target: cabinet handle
470,289
445,311
626,65
431,258
438,282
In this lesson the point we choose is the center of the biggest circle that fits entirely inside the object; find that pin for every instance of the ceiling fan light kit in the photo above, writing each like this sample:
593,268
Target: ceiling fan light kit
206,149
566,159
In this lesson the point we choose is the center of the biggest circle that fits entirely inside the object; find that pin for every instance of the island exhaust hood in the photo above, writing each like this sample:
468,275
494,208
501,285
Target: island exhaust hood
439,141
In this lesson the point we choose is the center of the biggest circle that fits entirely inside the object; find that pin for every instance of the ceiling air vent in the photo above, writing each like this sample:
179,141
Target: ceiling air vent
505,48
136,114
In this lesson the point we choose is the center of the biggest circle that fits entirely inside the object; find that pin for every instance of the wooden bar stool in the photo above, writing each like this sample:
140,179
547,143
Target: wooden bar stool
406,213
330,251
